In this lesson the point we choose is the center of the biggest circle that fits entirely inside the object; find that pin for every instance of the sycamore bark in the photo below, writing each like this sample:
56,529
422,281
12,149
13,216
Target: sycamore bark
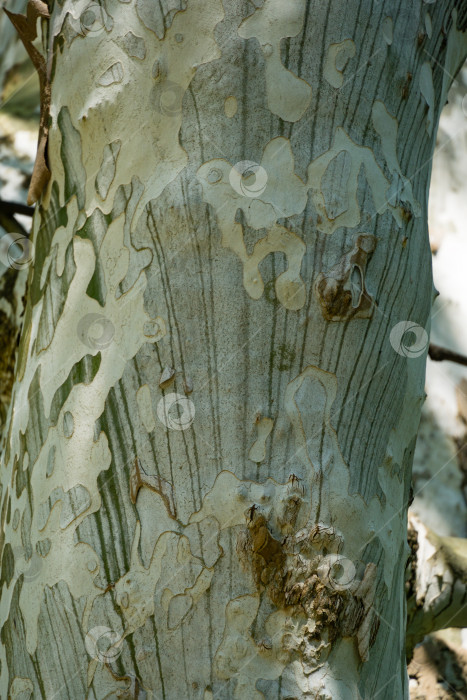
206,466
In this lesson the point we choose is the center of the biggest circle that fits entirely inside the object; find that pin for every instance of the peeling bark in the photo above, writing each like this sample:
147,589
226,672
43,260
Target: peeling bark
205,477
436,583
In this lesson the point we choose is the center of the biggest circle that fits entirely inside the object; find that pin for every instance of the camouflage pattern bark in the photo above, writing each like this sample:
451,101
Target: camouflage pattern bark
207,465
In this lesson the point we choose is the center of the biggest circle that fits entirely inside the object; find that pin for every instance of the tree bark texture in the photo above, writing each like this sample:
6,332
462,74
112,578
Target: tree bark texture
436,583
207,464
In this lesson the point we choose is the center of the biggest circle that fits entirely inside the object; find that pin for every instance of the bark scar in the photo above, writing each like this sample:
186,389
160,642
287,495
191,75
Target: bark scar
336,290
26,26
139,478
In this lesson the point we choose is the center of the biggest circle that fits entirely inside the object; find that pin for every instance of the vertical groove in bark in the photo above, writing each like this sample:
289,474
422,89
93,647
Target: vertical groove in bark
224,302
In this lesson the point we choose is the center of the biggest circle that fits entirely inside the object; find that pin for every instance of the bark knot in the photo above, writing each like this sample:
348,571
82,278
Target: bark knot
304,575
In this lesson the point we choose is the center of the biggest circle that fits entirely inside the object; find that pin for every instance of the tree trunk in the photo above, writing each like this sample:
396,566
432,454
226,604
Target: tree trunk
207,464
436,583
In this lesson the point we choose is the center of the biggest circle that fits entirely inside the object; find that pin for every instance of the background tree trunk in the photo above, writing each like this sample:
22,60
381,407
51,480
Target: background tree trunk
437,582
207,464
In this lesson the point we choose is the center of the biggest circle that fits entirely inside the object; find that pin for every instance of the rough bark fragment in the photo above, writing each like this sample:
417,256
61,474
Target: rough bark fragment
341,295
436,583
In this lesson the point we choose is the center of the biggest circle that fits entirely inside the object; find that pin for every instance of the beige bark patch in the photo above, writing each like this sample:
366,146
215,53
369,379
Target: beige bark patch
263,198
240,656
338,56
112,75
288,96
108,168
104,99
360,155
230,106
257,451
160,17
174,578
400,191
139,478
308,400
273,193
77,462
21,689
